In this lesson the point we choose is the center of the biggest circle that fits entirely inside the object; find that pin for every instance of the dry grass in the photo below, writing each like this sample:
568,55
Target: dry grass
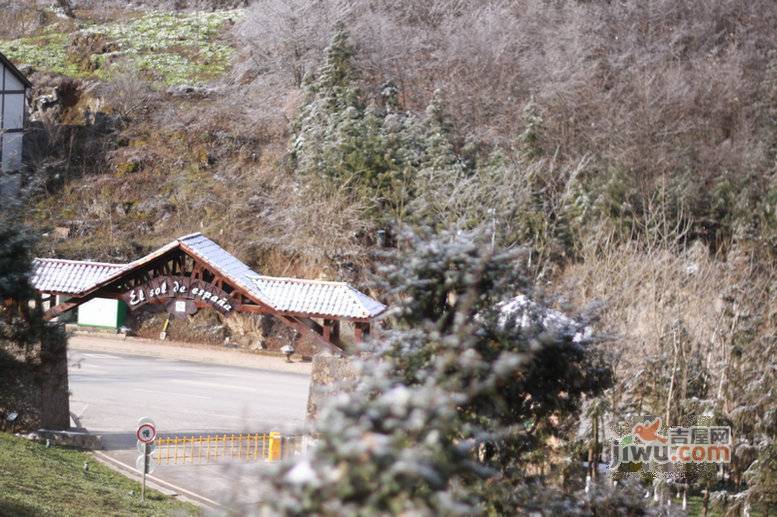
661,302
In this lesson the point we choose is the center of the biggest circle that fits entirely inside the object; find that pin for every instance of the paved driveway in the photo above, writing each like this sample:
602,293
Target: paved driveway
110,391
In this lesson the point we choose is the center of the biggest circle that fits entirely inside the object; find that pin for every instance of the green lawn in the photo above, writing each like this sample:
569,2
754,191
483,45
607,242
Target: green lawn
37,481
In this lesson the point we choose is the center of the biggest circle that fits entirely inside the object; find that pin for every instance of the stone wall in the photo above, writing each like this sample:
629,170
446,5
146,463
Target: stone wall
329,377
34,390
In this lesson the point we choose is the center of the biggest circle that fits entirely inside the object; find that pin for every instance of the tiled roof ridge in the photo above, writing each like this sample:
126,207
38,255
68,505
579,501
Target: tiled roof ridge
189,236
84,262
303,280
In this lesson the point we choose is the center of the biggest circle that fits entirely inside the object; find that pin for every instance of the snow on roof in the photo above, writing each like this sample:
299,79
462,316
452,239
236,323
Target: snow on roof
293,295
222,261
69,276
317,297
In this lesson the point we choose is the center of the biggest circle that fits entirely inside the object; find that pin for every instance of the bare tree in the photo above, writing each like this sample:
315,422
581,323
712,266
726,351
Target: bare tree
289,36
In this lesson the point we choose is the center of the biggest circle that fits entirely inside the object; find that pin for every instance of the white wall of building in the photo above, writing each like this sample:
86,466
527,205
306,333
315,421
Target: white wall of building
12,108
11,82
99,312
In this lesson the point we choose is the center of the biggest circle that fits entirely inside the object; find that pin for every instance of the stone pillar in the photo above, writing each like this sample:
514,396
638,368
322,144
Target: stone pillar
54,389
330,376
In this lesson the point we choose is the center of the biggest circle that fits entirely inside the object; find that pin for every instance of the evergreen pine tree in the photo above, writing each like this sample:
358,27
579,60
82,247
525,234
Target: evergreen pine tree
331,99
15,260
530,137
22,328
457,375
374,152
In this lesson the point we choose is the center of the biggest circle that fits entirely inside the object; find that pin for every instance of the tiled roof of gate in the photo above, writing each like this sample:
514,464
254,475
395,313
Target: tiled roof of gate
286,294
222,261
291,295
317,297
69,276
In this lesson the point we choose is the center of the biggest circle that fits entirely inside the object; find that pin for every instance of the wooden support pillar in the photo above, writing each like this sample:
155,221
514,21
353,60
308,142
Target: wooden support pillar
331,332
360,331
327,330
336,334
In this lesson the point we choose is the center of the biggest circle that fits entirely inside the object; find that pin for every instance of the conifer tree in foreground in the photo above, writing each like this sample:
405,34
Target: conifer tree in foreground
32,350
452,403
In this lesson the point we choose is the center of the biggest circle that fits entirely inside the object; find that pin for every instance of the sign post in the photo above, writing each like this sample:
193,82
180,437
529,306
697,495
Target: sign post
146,435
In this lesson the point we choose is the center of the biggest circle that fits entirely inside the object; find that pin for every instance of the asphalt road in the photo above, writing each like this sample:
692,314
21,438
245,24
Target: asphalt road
111,391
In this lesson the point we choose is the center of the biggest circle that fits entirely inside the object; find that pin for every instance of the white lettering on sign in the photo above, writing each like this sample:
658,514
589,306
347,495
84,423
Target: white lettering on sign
137,297
179,287
212,298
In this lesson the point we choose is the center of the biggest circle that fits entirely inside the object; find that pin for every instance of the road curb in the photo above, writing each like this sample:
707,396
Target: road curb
145,348
160,485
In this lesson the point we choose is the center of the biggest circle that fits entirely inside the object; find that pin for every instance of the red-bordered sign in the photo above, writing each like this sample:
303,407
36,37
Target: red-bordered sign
146,433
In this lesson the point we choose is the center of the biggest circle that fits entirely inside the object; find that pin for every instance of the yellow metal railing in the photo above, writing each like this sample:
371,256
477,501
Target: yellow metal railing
225,447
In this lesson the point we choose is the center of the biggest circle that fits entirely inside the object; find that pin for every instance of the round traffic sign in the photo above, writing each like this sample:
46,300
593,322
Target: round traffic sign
146,433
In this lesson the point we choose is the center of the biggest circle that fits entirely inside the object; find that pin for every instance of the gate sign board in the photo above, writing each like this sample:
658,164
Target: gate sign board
163,289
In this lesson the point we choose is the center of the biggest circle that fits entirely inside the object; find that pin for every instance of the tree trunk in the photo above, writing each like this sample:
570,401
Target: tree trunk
671,382
593,449
596,448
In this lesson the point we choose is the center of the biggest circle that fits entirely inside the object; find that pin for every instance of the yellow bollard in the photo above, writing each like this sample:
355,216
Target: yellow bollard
274,451
256,445
207,453
175,452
